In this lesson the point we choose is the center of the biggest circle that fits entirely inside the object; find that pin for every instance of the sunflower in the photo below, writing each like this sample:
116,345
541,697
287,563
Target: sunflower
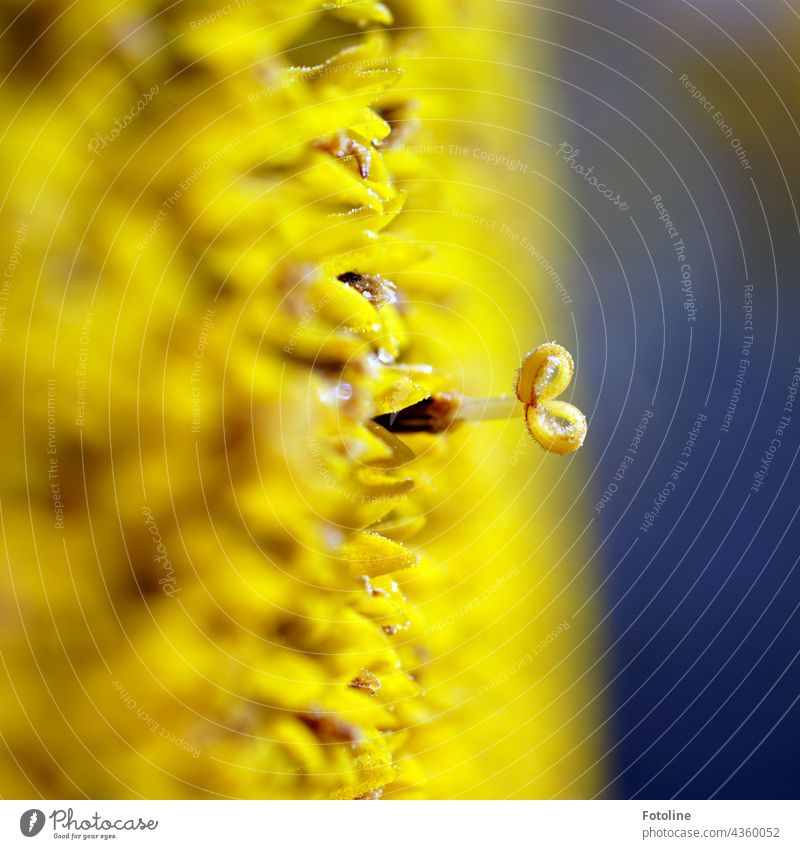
242,241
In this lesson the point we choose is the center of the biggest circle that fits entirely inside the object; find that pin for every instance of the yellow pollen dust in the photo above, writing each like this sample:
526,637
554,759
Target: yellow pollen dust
545,373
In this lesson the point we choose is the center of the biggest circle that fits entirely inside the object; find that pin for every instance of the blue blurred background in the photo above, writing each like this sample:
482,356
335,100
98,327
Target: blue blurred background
687,114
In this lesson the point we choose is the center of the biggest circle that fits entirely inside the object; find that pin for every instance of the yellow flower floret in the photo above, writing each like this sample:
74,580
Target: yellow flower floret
222,578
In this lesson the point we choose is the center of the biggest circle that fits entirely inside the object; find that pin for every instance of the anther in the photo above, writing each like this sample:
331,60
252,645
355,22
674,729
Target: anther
544,374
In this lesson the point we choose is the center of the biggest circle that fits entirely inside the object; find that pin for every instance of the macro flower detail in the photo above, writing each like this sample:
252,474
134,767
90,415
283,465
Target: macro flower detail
544,375
226,323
